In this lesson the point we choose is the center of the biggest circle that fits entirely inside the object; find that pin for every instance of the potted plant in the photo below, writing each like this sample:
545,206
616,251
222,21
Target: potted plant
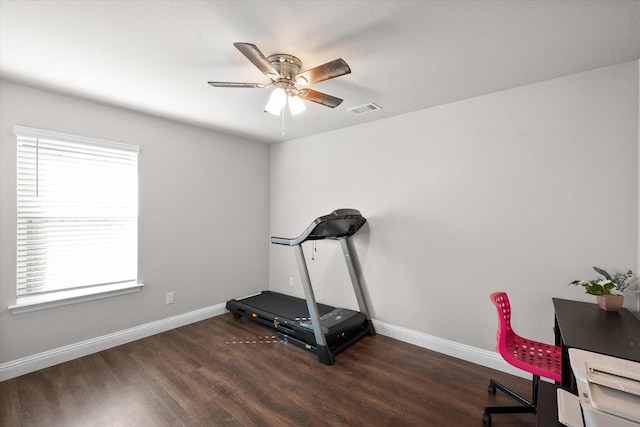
609,290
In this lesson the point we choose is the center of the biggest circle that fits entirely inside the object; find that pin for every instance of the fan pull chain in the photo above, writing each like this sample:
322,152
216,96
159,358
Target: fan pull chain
314,249
37,167
283,114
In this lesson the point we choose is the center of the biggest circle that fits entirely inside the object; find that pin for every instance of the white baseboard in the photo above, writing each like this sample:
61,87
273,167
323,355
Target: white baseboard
49,358
471,354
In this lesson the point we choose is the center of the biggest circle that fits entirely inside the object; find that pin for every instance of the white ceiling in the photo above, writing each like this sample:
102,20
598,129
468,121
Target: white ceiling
157,56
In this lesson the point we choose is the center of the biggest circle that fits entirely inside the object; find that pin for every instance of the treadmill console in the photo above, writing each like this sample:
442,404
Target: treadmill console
339,224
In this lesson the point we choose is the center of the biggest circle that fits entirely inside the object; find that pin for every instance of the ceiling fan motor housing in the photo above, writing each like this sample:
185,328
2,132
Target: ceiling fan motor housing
288,66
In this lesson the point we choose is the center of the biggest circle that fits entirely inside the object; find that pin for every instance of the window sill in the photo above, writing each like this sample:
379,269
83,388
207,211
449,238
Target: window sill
26,304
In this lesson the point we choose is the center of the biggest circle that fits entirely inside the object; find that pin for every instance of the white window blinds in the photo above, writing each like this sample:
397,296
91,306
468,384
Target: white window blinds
77,202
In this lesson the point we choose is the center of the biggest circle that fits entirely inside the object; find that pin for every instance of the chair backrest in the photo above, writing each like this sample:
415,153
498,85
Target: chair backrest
501,301
532,356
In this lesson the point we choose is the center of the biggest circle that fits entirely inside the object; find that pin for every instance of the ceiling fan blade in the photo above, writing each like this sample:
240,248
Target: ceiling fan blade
336,68
320,98
256,57
233,84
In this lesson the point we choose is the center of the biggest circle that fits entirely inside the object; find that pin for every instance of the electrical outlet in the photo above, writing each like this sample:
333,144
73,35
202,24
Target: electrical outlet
291,282
169,297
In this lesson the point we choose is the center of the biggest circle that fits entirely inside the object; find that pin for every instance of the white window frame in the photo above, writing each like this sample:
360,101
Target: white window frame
39,295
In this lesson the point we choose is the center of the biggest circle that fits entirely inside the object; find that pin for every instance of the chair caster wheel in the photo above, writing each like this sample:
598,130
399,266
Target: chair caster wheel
492,390
486,419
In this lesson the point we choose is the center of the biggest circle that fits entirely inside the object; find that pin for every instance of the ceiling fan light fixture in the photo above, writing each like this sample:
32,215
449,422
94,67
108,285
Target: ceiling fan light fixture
296,106
277,101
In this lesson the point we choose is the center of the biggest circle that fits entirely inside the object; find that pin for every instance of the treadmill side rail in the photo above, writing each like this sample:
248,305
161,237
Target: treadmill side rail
324,355
355,280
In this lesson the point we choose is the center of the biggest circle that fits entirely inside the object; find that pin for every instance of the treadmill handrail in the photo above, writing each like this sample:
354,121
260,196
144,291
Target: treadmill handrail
339,224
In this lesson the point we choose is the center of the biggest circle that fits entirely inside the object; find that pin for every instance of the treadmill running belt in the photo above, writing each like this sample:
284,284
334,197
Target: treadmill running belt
281,305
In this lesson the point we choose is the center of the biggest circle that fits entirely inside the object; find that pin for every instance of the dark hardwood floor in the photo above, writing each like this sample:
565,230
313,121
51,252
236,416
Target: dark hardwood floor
223,371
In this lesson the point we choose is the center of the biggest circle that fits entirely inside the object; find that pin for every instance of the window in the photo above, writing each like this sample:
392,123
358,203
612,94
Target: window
77,218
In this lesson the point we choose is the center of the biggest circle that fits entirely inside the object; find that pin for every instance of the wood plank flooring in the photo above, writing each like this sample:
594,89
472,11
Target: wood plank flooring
228,372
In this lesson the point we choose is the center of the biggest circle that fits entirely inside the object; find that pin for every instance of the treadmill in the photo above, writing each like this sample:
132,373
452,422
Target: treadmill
320,328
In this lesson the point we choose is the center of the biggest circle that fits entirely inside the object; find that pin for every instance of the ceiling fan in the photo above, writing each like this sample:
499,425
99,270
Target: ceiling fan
284,72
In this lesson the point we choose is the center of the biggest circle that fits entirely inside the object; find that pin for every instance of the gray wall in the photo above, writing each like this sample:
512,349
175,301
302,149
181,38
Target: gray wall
203,226
522,191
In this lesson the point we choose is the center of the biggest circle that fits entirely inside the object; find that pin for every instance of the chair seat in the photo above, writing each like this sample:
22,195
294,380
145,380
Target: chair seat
532,356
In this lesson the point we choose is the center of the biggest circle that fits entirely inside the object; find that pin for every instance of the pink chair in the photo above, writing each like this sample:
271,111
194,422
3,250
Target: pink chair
539,359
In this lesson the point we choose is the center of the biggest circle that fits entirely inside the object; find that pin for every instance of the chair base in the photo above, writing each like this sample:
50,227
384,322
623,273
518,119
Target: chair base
526,406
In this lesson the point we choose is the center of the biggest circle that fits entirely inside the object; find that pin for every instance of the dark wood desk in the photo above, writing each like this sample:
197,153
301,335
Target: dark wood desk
586,326
547,411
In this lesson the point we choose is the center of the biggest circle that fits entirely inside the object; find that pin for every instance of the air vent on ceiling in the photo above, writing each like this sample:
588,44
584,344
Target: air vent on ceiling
365,108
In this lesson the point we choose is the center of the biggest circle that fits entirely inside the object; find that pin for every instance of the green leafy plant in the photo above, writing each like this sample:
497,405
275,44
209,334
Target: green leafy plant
609,285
